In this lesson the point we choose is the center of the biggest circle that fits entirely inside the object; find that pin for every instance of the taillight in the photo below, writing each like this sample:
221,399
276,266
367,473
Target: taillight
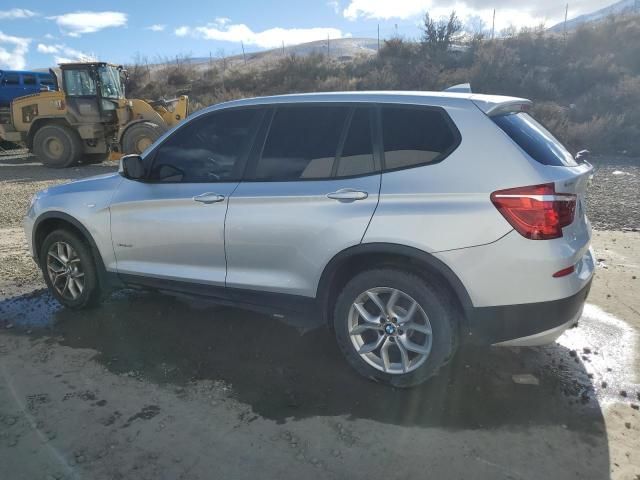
536,212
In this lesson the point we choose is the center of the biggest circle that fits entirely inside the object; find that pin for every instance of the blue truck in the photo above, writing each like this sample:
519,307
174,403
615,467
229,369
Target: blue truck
14,84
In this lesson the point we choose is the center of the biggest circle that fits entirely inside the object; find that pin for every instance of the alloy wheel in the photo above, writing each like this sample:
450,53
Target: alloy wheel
65,270
390,330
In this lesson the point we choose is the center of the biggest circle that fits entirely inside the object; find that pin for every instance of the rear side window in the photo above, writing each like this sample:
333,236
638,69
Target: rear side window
29,80
302,143
11,79
415,136
534,139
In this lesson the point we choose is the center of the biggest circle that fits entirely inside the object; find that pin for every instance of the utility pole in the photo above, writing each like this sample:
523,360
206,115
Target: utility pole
244,57
493,25
210,61
328,54
566,14
283,48
378,37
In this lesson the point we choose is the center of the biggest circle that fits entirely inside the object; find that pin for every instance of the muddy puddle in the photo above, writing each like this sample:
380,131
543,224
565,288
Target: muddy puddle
290,368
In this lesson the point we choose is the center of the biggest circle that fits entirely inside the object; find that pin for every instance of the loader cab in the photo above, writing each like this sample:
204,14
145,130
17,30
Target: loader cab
93,91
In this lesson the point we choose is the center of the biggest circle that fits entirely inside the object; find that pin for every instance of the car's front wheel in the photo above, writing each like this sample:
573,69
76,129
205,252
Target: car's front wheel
69,269
394,327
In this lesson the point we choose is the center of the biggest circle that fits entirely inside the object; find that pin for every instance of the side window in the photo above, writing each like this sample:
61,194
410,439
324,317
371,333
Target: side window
208,149
47,80
302,143
415,136
11,79
29,80
357,153
78,83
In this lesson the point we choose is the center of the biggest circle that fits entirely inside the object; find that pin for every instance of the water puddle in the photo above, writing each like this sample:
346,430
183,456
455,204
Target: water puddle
289,368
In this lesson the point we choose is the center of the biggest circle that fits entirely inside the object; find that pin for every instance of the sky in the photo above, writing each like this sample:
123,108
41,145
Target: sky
37,34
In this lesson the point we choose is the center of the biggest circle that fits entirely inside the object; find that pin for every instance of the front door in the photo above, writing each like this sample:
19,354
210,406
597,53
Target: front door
171,225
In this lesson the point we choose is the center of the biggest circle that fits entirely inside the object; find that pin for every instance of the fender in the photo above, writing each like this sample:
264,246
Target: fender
105,278
421,259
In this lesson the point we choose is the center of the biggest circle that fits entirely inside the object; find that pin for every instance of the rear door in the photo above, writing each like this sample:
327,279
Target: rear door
310,191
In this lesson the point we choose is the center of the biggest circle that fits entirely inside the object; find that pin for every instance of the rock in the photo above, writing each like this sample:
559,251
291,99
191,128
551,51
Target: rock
573,353
635,406
604,384
525,379
628,425
586,350
623,393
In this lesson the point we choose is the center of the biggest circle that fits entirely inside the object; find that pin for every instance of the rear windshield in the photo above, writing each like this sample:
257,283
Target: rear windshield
534,139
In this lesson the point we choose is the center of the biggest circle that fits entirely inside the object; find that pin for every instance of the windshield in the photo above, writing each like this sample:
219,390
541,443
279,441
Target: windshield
110,85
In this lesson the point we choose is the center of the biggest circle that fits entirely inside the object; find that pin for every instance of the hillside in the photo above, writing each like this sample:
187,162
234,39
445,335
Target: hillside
619,8
585,88
341,49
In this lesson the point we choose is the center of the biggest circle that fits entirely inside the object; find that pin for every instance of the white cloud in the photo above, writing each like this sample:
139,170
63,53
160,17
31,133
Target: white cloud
13,56
270,38
182,31
222,21
384,9
63,54
156,27
16,13
42,48
78,23
48,36
508,12
334,5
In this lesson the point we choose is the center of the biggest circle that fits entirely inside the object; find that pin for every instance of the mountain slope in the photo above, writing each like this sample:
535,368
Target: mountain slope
618,8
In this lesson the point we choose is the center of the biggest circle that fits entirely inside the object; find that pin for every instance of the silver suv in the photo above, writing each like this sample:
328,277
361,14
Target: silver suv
410,221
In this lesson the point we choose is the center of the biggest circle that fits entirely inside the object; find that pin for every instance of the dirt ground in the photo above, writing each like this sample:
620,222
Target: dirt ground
155,386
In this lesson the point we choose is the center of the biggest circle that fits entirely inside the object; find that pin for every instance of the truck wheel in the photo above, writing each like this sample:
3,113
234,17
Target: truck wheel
140,136
395,328
57,146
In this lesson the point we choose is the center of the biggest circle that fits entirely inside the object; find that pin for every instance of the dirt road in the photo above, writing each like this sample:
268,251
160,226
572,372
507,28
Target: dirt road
159,386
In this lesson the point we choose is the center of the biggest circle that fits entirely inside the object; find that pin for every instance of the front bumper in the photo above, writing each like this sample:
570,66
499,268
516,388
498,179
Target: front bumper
528,324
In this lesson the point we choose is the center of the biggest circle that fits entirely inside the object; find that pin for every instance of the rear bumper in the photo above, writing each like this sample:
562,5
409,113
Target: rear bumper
528,324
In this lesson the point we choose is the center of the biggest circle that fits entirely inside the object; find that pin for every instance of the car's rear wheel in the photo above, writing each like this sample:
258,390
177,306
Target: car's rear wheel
394,327
69,269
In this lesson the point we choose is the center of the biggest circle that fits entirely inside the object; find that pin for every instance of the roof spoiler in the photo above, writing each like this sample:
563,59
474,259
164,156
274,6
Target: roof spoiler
460,88
501,108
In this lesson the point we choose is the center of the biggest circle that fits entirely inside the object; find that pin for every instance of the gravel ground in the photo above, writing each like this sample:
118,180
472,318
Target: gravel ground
613,199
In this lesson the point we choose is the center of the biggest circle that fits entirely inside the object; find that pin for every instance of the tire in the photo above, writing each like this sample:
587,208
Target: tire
434,311
91,158
139,136
57,146
79,260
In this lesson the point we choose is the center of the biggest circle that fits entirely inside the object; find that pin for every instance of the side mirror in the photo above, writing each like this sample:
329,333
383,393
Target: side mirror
44,88
132,167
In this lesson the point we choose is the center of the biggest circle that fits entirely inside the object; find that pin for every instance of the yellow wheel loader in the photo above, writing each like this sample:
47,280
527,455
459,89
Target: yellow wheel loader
87,118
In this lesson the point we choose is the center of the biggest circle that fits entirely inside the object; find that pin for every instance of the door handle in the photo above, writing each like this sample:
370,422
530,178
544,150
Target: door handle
209,198
348,194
